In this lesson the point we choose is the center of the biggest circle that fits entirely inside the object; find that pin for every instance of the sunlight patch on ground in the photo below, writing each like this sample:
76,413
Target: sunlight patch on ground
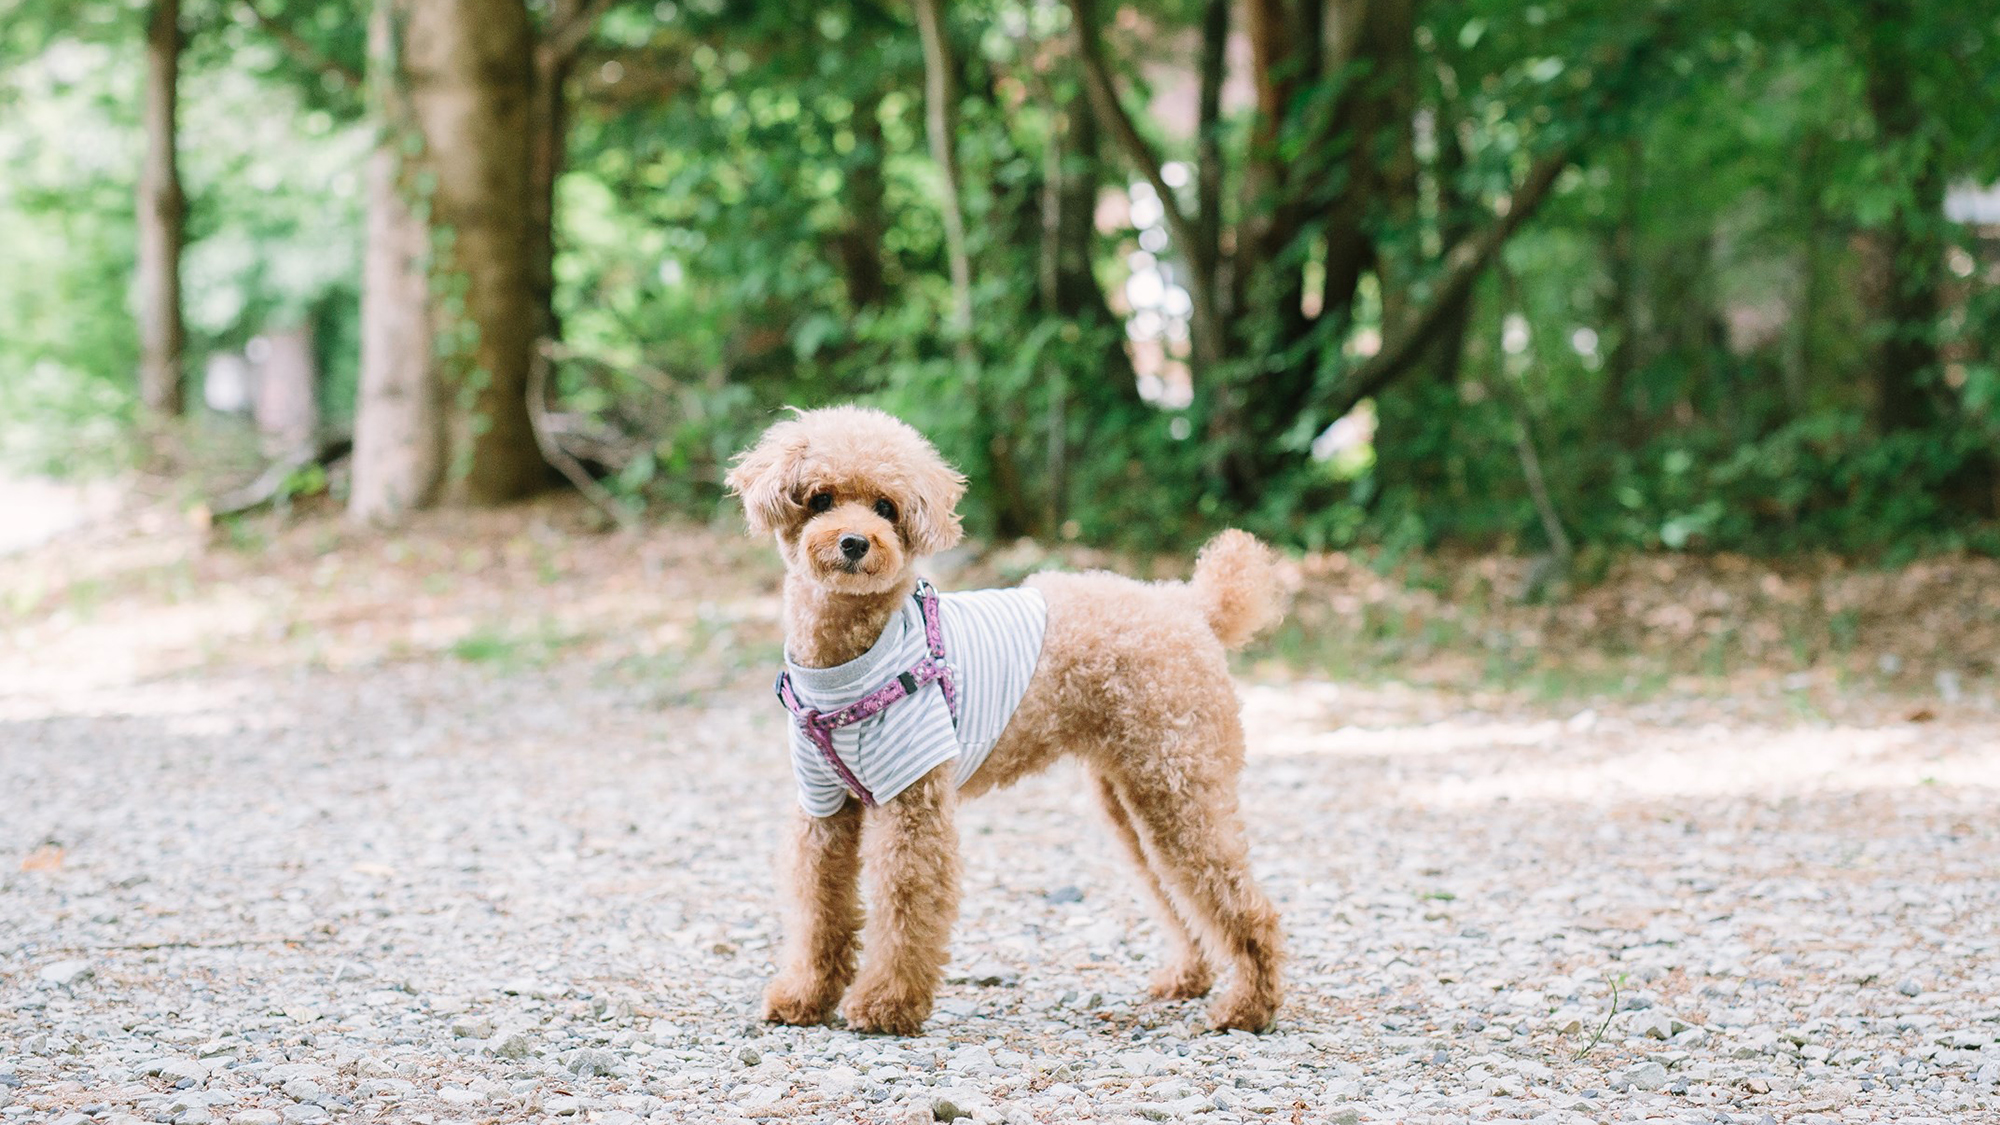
38,510
1593,760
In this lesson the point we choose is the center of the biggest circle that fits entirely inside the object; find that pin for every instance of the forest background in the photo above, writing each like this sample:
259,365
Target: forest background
1555,278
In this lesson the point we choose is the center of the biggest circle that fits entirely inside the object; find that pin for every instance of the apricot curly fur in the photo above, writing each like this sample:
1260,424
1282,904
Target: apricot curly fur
1132,681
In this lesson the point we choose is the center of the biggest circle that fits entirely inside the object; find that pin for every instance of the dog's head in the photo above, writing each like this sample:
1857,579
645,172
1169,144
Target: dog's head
853,496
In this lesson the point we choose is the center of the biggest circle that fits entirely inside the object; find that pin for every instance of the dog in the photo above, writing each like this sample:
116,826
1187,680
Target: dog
1128,677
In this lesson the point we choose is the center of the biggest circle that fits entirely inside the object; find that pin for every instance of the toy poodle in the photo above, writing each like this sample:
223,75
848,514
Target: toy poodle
905,701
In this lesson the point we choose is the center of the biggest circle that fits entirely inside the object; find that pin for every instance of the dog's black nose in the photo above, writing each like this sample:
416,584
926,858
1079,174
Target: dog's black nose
853,546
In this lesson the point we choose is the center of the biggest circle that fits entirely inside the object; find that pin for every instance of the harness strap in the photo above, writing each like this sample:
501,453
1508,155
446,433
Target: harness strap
818,726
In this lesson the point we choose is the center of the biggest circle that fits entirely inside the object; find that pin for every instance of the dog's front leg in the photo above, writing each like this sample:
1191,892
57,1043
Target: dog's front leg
823,878
912,860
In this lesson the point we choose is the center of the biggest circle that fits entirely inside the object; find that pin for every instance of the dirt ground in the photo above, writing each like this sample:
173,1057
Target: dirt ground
472,821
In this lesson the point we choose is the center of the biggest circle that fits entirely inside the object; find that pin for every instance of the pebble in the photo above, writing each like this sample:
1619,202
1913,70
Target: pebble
1645,1076
63,974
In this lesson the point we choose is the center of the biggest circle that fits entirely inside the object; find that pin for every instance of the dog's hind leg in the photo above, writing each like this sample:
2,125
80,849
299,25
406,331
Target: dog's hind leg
823,880
1189,823
911,852
1186,974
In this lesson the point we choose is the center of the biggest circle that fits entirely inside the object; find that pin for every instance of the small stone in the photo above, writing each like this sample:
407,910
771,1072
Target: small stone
180,1070
475,1027
63,974
563,1105
1645,1076
455,1095
1910,987
1064,895
513,1045
944,1109
255,1117
748,1056
1651,1024
990,975
585,1062
836,1081
1143,1063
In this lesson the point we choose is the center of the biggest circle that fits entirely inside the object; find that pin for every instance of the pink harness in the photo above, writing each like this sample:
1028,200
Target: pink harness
819,726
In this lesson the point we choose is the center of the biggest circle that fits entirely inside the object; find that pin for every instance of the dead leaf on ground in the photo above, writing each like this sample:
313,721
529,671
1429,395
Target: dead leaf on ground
48,857
1920,715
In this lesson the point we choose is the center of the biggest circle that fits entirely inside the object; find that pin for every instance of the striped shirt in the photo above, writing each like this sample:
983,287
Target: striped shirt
992,639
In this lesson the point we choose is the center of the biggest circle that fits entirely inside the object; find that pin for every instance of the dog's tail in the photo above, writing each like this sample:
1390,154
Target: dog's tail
1236,585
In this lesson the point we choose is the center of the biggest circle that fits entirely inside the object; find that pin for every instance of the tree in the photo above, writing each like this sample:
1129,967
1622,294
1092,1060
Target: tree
1328,164
161,212
448,307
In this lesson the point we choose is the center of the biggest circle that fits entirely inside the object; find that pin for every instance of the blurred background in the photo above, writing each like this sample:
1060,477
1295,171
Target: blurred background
1555,279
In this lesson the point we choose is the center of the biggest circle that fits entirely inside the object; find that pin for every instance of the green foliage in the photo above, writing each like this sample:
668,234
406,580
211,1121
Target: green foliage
274,216
1689,331
67,343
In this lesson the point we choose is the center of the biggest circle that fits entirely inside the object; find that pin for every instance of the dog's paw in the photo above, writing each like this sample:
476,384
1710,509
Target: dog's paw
884,1008
1239,1012
794,1001
1182,980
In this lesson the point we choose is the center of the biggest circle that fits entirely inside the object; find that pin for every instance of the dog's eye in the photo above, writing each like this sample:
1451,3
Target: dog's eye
886,510
820,501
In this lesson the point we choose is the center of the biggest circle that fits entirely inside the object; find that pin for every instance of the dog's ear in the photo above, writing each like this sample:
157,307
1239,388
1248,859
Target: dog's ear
931,514
765,475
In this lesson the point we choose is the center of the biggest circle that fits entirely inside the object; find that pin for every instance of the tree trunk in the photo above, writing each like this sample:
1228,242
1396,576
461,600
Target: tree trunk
548,149
161,210
288,390
1206,254
1110,112
1621,298
1447,353
1904,302
941,125
446,350
399,448
1801,362
1069,228
858,245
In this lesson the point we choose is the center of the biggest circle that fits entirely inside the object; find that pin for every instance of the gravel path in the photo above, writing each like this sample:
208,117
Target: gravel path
470,895
476,825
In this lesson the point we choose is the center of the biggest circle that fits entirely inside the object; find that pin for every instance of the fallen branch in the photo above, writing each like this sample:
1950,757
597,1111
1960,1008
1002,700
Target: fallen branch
272,483
558,457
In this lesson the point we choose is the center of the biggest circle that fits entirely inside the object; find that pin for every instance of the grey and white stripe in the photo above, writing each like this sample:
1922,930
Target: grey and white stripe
992,640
